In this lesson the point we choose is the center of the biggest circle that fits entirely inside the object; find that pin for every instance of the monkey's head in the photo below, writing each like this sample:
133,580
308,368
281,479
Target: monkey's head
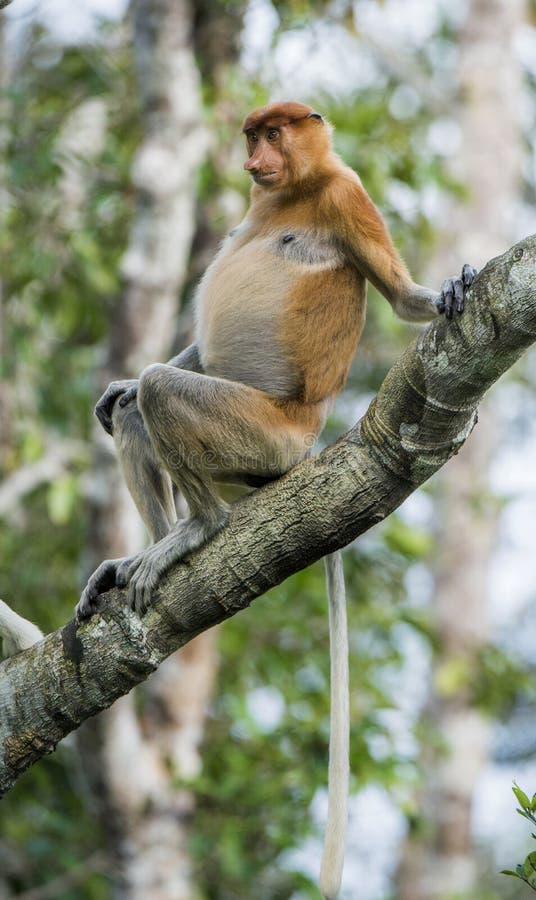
288,144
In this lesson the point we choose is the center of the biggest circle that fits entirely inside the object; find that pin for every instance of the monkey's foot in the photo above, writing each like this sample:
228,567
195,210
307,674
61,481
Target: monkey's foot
103,579
453,290
143,572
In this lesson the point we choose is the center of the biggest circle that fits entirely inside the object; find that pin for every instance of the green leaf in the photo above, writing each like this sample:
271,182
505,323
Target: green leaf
524,801
529,869
526,815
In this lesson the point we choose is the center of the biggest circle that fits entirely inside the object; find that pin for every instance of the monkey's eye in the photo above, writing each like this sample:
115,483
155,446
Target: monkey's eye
273,134
253,137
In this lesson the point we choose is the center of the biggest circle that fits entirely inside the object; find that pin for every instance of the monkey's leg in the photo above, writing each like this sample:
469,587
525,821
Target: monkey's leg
149,484
205,429
151,490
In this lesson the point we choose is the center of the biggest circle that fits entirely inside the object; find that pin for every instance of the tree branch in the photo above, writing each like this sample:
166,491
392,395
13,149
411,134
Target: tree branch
423,413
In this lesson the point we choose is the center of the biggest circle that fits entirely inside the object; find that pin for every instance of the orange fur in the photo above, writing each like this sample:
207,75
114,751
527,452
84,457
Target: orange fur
276,114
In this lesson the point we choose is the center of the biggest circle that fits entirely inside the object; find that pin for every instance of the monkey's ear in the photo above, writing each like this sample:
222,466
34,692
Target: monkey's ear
315,115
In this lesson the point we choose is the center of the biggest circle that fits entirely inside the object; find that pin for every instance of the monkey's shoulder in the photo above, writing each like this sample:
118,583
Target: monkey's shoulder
352,215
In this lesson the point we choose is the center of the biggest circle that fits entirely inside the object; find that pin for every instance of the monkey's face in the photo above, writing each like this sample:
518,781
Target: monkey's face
266,164
287,142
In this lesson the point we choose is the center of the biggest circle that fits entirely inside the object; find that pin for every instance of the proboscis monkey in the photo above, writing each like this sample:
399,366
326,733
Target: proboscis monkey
279,315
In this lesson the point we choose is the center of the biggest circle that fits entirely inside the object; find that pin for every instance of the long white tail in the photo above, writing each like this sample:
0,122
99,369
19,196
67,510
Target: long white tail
18,633
339,742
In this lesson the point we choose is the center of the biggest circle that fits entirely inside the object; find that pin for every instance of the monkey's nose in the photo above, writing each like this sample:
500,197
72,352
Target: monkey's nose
252,165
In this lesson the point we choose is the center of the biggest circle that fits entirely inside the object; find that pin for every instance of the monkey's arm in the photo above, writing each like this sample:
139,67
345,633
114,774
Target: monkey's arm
415,303
128,389
371,250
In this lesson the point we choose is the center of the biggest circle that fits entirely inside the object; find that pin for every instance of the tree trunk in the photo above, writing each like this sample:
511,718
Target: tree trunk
444,862
139,760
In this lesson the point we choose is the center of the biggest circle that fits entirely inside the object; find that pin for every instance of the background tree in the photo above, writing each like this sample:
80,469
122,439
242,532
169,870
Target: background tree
441,855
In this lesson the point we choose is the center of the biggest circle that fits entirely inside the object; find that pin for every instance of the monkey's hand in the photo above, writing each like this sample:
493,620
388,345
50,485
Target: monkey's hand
452,295
127,390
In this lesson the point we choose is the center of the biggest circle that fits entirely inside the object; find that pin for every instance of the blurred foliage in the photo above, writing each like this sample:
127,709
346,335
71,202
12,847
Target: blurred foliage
256,795
58,293
47,831
59,282
59,288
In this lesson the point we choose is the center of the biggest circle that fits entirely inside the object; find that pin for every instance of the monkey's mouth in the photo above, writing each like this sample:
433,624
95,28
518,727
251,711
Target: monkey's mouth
265,177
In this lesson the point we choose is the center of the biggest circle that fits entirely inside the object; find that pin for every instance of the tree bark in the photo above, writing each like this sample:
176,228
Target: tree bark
441,859
421,416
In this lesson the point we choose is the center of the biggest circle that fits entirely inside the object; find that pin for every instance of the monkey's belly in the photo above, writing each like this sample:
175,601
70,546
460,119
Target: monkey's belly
251,355
242,303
